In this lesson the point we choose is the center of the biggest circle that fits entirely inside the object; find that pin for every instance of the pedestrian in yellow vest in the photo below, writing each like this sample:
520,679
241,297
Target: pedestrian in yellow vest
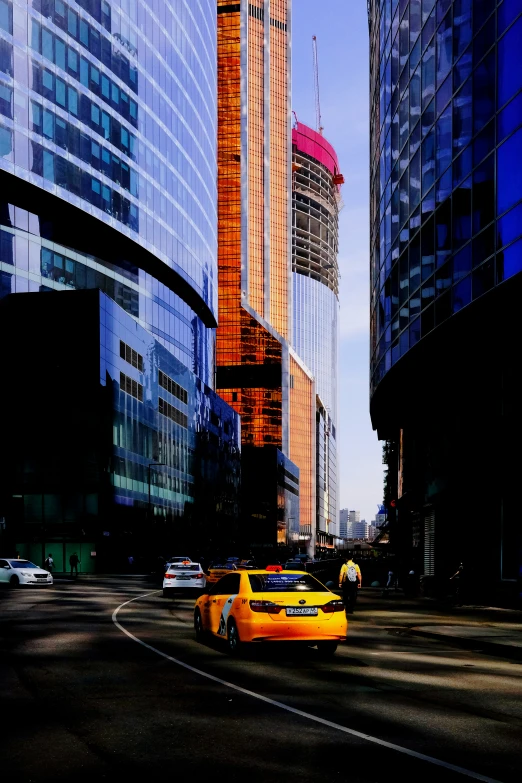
350,580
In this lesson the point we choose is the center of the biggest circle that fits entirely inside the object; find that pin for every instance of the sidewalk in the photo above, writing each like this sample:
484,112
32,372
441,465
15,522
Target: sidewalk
487,629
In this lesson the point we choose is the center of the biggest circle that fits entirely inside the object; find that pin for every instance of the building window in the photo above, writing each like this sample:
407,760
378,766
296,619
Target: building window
168,410
132,387
172,387
131,356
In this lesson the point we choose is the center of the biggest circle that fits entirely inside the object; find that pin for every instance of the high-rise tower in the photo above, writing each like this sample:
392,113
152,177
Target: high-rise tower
108,181
446,263
257,371
316,198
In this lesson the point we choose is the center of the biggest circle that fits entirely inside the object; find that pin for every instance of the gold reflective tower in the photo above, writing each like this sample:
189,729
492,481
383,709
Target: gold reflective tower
257,371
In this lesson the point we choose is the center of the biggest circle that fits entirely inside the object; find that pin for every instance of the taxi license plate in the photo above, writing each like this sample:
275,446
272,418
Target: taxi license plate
183,577
306,610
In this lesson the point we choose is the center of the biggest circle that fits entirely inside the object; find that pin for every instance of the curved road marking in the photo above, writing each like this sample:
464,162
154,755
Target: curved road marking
280,705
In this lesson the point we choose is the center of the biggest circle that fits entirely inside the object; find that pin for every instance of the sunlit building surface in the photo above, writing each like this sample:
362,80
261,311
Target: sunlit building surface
446,257
108,126
257,373
316,181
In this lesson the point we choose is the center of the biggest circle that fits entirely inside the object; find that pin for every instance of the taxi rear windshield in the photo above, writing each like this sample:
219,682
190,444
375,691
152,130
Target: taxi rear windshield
285,583
178,567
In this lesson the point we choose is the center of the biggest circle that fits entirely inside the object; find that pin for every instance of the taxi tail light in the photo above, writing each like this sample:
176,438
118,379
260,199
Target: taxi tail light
265,606
170,576
197,576
333,606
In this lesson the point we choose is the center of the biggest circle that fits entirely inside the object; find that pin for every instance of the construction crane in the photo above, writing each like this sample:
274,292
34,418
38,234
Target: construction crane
316,85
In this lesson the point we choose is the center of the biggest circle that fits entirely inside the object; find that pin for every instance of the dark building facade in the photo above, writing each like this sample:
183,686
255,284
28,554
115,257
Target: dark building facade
446,252
121,449
108,117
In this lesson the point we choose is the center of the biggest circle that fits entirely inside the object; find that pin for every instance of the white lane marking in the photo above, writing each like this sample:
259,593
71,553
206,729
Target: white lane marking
390,745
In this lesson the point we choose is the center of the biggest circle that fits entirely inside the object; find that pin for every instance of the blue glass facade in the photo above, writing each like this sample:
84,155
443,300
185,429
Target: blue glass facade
108,174
446,157
446,253
108,110
121,442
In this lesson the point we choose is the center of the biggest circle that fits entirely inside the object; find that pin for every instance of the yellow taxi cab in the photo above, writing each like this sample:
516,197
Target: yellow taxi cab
217,569
271,605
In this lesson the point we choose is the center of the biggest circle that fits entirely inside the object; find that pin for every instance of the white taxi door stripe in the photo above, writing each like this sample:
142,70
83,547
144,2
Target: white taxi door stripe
222,630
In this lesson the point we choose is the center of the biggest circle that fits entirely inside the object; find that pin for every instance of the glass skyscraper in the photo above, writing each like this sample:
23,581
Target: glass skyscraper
108,147
258,372
316,182
108,143
446,252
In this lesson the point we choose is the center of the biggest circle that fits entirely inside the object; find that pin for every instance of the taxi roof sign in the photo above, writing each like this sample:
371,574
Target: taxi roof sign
274,568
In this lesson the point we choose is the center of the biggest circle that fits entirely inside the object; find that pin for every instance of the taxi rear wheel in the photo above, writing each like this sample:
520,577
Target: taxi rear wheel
233,640
198,626
326,649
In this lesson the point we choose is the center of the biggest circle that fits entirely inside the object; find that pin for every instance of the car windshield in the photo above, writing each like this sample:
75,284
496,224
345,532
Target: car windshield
22,564
285,583
179,567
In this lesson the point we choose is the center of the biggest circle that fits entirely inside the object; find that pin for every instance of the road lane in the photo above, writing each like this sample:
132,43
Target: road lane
414,699
91,702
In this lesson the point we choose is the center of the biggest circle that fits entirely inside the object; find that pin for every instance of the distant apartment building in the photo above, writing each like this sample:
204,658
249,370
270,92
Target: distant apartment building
380,518
359,529
354,519
343,523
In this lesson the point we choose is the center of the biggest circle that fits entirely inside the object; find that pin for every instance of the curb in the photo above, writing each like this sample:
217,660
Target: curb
479,645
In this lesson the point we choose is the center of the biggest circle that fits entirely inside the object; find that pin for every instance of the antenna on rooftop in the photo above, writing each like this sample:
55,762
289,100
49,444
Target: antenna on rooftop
316,86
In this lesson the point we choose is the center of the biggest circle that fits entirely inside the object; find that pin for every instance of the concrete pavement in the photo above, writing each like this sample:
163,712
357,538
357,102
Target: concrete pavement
482,628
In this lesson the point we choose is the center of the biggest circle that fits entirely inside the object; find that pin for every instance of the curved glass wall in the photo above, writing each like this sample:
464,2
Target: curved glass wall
111,106
315,327
315,227
446,157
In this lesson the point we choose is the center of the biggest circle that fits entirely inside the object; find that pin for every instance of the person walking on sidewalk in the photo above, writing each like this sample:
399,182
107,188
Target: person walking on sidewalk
350,581
49,563
458,583
392,582
73,562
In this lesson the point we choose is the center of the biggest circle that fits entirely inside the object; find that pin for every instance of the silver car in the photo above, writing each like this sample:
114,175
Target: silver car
183,576
17,572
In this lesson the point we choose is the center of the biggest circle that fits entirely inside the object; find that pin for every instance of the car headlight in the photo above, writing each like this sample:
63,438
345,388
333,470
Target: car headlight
25,573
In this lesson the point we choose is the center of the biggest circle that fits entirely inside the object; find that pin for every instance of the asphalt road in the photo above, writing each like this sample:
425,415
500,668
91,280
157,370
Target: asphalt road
83,701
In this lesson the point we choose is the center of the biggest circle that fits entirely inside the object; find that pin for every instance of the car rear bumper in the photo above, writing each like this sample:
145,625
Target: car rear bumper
327,630
184,586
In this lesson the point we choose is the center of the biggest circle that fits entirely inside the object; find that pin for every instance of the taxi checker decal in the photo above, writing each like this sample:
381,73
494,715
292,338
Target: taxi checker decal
222,630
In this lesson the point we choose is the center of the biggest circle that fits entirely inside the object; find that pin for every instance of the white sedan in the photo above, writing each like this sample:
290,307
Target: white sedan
183,576
22,572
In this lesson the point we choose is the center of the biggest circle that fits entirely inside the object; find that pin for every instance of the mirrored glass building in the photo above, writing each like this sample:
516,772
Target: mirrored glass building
258,372
108,126
446,253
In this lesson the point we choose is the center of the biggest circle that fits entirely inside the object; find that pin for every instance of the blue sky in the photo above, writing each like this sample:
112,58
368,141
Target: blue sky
341,27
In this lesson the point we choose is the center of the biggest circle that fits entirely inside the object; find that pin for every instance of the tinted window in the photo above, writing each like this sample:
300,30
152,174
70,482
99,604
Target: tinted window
227,585
3,563
285,583
179,567
23,564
